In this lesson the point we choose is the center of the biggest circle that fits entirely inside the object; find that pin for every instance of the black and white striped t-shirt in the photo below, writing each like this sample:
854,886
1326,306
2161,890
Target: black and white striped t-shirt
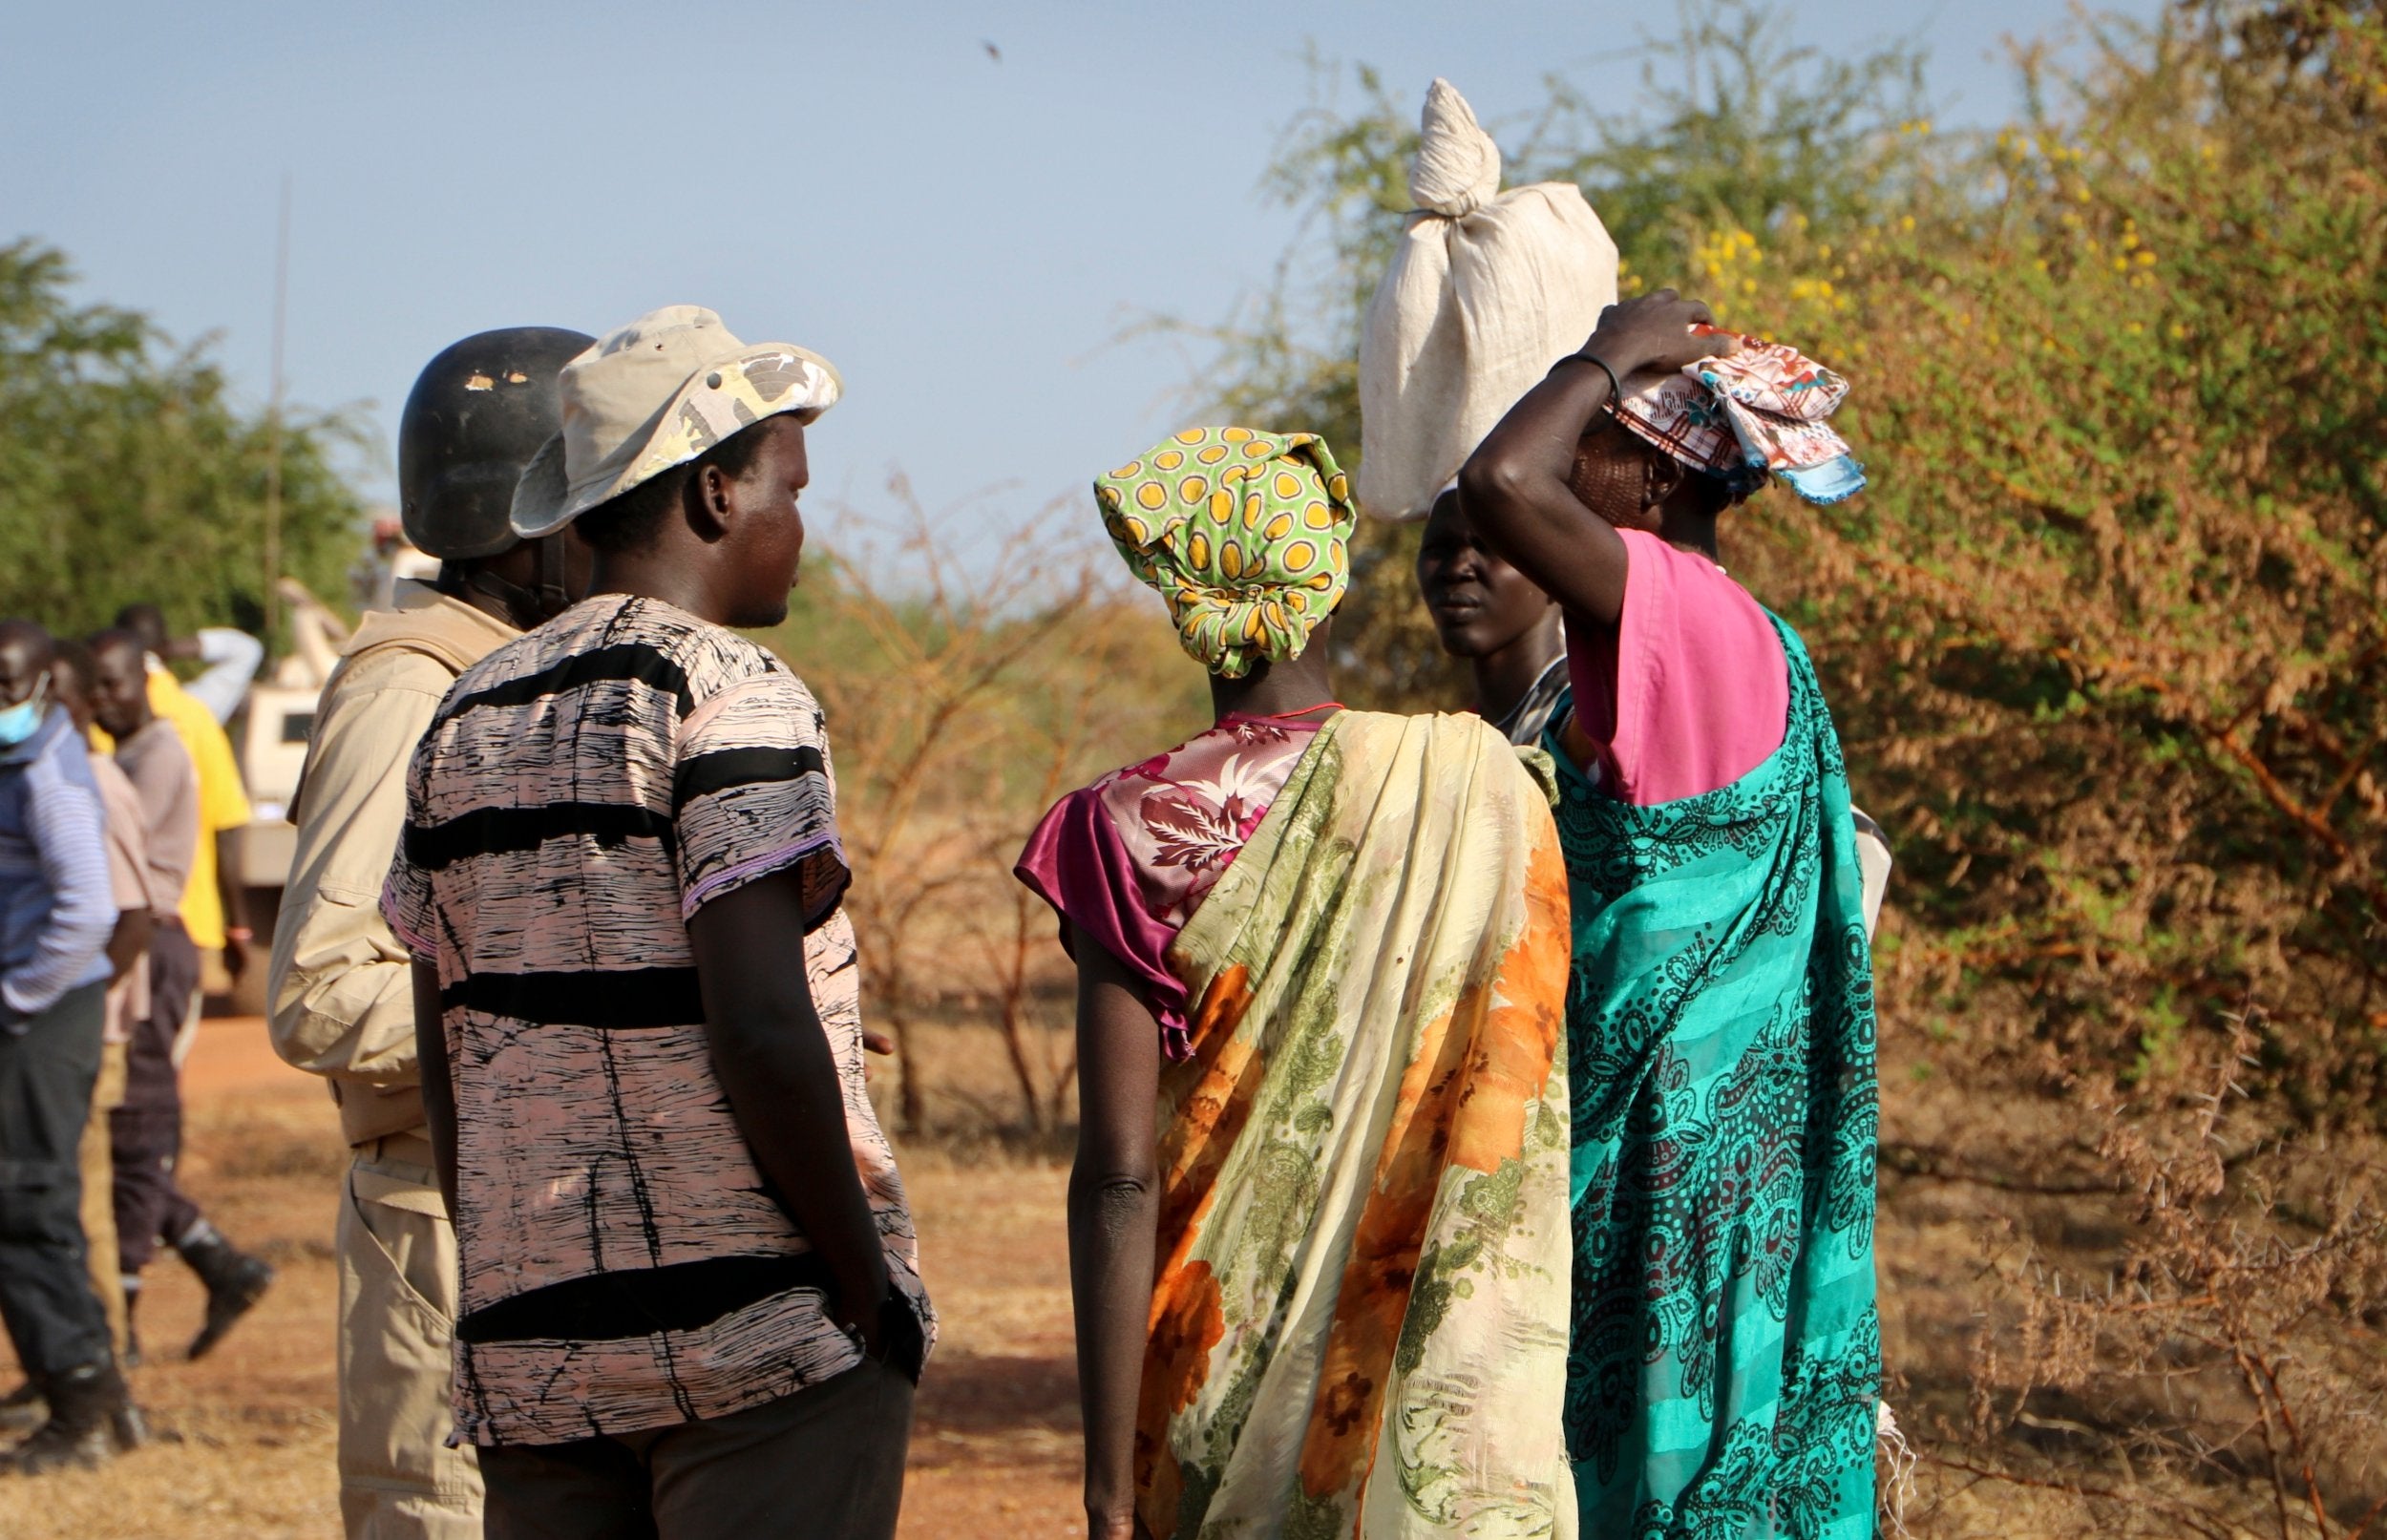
580,793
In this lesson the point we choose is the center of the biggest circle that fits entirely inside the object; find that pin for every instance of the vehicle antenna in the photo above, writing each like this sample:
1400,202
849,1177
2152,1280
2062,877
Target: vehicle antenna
273,421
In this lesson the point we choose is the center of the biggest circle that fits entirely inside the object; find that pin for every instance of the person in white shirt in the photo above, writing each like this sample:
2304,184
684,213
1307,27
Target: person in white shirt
230,658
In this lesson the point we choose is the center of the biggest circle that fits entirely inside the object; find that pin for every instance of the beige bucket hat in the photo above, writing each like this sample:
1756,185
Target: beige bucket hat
657,394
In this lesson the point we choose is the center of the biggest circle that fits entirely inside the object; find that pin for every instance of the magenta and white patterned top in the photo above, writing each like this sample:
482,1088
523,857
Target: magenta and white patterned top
580,793
1129,858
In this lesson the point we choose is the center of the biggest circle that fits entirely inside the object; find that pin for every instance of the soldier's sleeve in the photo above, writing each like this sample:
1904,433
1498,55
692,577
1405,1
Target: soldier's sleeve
342,998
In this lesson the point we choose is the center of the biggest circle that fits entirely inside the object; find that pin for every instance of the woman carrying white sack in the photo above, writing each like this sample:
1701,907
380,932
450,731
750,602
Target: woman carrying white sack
1485,289
1724,1362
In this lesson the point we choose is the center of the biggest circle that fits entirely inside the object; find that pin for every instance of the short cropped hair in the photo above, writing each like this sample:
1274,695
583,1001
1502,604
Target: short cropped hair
631,521
77,659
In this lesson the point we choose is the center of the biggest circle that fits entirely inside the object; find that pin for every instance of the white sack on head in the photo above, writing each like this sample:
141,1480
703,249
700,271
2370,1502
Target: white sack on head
1484,294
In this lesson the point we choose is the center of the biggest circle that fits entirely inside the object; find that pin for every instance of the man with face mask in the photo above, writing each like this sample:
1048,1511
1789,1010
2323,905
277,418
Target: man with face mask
339,984
57,910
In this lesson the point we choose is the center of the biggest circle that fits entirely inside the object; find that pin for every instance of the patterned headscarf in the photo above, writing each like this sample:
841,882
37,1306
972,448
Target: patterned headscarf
1756,413
1244,533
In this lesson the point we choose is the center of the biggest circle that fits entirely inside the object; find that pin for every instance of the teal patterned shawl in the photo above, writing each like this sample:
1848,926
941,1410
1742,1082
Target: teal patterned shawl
1726,1356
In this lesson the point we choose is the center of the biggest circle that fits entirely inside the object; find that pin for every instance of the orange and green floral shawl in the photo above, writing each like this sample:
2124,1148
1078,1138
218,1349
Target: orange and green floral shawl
1359,1317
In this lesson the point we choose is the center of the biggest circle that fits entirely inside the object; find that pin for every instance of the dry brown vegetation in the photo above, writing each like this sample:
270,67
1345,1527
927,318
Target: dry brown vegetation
962,705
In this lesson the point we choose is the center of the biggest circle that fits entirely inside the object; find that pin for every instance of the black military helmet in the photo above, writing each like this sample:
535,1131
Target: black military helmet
477,413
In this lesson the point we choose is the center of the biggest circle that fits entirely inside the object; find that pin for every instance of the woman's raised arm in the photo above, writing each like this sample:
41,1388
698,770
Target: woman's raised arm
1514,487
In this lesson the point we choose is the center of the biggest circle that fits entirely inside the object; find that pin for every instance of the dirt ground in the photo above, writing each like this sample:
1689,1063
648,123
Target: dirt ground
247,1433
247,1445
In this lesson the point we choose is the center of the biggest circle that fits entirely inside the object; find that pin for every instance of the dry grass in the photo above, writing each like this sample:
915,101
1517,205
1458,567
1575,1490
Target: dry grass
2154,1318
248,1434
995,1446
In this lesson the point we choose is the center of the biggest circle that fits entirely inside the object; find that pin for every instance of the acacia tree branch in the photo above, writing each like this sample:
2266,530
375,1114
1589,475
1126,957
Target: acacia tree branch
2202,1522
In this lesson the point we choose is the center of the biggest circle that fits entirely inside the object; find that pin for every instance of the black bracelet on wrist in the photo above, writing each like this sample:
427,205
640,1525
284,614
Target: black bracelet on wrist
1615,390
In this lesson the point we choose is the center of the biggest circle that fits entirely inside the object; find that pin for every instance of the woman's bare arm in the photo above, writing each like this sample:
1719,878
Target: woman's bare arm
1114,1209
1514,486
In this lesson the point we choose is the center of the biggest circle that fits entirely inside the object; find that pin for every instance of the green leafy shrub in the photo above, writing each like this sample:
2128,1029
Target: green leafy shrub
128,473
2106,637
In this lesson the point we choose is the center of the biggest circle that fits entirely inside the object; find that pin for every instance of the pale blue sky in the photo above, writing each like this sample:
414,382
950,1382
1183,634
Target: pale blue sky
963,238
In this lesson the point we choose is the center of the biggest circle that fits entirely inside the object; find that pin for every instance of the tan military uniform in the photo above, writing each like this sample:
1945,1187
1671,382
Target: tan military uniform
344,1008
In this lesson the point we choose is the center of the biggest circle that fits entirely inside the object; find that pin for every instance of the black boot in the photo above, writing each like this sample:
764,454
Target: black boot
24,1408
235,1282
131,1337
128,1426
80,1435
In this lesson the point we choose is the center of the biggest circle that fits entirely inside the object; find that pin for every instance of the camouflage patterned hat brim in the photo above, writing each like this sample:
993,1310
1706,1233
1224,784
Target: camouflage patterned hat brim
765,380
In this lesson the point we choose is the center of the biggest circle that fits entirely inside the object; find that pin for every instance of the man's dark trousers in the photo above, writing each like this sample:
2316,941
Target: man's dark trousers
46,1078
145,1134
827,1461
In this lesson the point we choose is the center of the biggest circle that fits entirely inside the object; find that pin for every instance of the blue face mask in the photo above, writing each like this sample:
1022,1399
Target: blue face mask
21,721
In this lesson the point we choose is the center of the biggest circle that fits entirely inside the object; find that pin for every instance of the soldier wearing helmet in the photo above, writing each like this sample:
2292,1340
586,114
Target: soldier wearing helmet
339,987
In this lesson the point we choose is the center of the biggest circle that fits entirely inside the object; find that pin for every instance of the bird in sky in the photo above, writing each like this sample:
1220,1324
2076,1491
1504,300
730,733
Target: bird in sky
993,52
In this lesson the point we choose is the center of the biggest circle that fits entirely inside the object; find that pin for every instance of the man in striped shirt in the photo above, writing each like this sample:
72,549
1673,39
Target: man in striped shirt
689,1300
56,912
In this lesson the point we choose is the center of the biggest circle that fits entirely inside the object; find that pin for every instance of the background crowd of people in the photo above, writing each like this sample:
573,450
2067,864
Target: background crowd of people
119,786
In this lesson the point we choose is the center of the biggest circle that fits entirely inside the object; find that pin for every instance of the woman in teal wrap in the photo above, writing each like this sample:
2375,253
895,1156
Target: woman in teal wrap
1724,1359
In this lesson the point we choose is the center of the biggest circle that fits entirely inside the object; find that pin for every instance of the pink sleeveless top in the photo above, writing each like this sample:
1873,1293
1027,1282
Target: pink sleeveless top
1690,691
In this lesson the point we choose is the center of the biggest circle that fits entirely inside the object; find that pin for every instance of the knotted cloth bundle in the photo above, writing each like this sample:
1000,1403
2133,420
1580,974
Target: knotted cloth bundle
1485,289
1758,412
1244,533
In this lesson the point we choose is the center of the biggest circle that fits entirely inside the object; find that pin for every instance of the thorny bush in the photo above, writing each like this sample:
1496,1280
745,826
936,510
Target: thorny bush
2107,642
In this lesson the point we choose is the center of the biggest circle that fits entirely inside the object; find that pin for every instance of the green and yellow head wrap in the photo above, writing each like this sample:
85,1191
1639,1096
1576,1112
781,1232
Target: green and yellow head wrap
1244,533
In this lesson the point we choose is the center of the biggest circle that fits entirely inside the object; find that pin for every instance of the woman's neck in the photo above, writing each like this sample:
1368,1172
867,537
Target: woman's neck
1690,529
1274,688
1503,675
